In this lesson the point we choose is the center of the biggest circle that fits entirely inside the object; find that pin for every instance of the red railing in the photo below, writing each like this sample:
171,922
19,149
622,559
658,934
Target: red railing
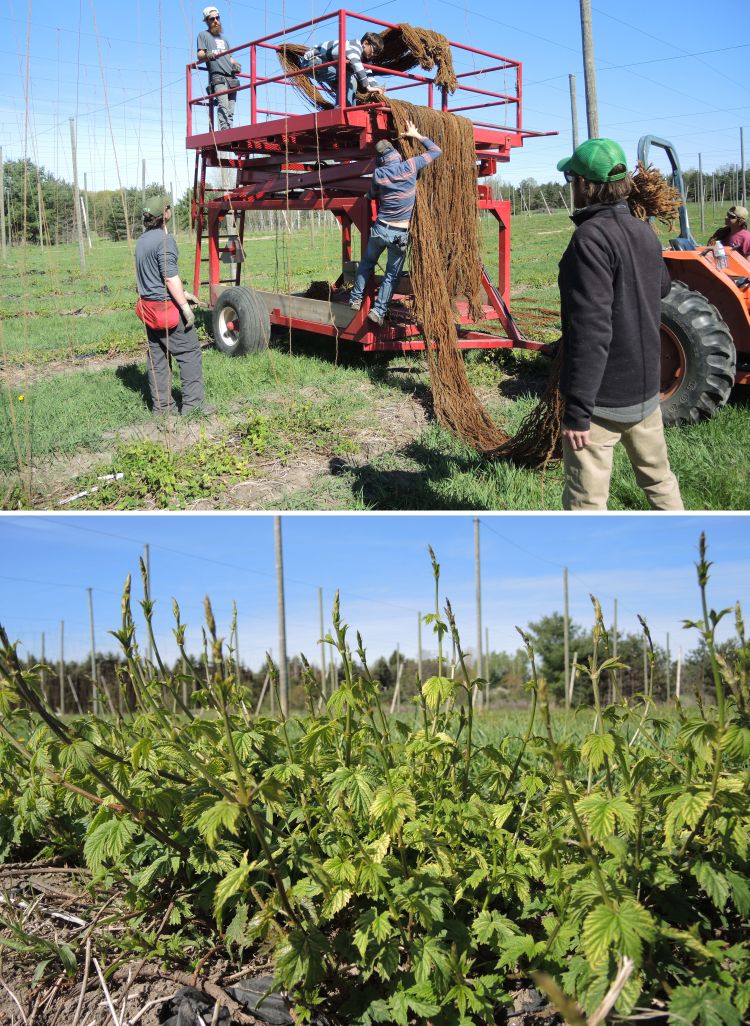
253,83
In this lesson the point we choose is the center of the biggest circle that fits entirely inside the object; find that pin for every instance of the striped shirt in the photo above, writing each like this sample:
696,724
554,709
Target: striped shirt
329,51
394,183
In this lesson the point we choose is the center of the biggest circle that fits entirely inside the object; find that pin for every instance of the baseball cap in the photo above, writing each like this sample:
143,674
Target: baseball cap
740,212
594,160
382,147
156,205
208,11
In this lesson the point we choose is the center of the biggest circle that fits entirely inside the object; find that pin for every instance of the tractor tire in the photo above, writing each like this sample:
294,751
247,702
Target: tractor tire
241,322
698,357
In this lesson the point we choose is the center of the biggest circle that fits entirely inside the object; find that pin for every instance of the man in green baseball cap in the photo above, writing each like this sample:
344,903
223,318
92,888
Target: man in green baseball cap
156,206
164,307
596,160
612,279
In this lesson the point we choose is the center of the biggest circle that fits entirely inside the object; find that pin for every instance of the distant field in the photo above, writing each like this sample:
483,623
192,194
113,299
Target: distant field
300,426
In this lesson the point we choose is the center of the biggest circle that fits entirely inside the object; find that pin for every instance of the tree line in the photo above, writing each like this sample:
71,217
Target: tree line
646,668
722,186
39,207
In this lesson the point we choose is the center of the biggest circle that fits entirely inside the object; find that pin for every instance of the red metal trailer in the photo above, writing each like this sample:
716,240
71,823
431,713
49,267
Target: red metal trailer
289,159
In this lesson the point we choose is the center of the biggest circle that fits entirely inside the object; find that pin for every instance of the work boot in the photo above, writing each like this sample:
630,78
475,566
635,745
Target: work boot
355,304
196,412
375,317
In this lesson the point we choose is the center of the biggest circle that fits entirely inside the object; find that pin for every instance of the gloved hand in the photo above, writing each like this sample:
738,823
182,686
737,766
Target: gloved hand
191,298
187,314
309,54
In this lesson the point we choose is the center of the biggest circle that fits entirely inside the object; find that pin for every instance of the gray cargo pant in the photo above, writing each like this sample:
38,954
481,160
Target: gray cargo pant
182,344
223,105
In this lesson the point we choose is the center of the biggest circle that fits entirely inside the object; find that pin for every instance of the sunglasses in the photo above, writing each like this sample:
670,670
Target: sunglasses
214,17
570,176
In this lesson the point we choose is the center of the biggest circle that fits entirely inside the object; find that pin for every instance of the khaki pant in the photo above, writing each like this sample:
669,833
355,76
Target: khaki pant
588,471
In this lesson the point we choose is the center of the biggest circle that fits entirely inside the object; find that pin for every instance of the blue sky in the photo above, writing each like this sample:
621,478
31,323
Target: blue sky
380,565
675,71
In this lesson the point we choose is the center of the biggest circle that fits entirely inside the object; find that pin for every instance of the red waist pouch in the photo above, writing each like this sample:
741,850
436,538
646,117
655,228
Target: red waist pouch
159,314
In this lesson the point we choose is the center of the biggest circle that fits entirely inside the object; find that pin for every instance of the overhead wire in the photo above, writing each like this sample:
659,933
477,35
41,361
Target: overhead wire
186,554
666,42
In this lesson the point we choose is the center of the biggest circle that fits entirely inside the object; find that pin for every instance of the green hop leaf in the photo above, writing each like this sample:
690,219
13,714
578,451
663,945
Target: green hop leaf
623,929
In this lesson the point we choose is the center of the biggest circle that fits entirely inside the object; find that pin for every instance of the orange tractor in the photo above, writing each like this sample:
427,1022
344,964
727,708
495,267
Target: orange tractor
705,324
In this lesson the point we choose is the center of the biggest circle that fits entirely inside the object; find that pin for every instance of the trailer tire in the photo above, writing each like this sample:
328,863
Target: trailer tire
241,322
698,357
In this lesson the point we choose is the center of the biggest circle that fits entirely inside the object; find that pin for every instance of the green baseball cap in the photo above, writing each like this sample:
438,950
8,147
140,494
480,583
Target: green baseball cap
594,160
156,205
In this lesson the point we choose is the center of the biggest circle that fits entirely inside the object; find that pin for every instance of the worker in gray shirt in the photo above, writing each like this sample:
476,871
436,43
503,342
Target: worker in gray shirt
222,67
164,307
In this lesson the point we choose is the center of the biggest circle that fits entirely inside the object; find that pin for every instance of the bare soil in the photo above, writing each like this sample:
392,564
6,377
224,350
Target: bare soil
399,418
49,904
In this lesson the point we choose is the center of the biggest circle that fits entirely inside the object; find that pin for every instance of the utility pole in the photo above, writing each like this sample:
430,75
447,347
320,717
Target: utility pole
322,644
2,206
62,667
143,183
419,646
700,191
396,699
570,686
614,676
85,219
283,678
742,163
77,198
589,70
646,688
669,670
95,691
487,665
679,674
566,626
478,580
86,200
40,209
574,120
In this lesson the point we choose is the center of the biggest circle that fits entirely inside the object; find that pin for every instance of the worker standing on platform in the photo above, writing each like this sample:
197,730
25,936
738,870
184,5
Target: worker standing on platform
222,68
164,308
394,185
368,48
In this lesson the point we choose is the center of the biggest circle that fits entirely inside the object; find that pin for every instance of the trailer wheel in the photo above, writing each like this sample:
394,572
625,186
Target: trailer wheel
698,357
241,322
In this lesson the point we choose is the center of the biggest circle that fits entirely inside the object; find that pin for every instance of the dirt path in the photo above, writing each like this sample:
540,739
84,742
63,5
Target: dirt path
391,417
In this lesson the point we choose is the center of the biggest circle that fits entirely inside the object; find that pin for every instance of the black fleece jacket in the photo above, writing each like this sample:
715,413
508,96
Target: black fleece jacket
612,279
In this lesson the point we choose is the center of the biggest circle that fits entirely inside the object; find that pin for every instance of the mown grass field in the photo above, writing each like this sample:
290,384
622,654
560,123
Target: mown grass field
299,427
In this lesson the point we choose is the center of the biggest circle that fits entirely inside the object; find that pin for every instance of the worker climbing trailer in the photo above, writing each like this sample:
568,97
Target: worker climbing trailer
279,157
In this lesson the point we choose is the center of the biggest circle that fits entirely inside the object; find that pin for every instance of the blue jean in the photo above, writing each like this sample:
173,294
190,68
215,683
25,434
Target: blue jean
329,79
382,237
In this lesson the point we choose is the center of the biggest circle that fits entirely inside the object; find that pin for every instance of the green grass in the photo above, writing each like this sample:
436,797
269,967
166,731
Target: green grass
52,315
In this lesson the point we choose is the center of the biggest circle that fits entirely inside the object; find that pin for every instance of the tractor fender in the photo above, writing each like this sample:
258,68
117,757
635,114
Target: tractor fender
700,275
